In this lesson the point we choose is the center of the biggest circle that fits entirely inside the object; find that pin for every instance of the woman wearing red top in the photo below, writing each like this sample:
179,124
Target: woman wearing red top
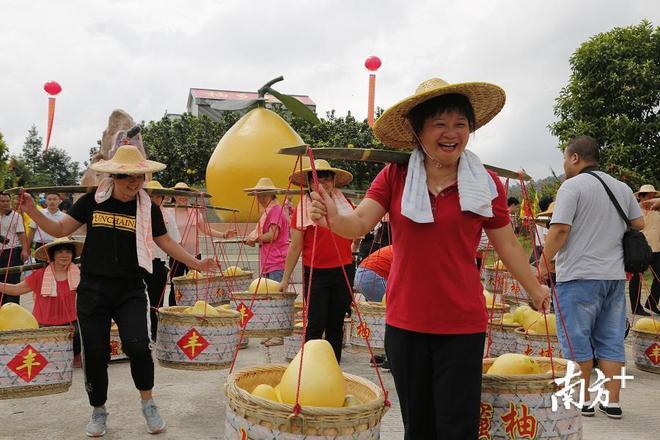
54,301
438,204
330,297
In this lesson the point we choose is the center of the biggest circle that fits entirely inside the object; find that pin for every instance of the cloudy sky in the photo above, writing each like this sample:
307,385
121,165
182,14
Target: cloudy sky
144,56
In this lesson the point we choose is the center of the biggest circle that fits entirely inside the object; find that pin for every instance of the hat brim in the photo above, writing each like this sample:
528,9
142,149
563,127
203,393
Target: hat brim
262,190
143,167
342,177
657,193
41,253
392,127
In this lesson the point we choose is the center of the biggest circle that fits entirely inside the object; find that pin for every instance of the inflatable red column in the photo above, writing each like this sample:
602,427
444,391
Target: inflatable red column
372,64
52,88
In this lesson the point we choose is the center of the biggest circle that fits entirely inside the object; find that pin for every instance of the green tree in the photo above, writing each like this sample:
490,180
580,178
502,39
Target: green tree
613,94
35,167
4,155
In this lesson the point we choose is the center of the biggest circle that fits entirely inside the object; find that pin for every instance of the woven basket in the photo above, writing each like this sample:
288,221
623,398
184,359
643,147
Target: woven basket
292,343
273,313
526,398
497,311
218,336
261,419
116,351
646,350
50,347
494,278
373,315
501,282
239,283
537,345
213,290
503,338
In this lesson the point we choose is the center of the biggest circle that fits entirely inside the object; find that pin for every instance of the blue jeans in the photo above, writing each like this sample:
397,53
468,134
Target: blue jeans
370,284
275,275
594,312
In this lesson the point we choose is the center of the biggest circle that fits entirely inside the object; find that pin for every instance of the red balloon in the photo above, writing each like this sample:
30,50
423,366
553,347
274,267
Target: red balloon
372,63
52,88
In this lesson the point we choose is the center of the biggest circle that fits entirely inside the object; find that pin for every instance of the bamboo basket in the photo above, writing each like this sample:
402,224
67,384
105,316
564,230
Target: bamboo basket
497,311
646,350
272,313
503,338
239,283
373,315
537,344
51,369
211,289
501,282
218,336
528,400
254,418
494,278
292,343
116,351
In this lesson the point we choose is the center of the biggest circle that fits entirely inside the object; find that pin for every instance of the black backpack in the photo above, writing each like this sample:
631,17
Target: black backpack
637,253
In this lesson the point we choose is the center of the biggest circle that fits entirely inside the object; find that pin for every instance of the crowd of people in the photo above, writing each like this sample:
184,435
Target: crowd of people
428,222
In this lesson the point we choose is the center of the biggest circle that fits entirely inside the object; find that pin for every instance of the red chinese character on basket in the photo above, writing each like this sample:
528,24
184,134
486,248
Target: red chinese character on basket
485,417
528,350
192,343
243,433
363,330
246,313
220,292
28,363
515,287
653,353
178,295
115,348
519,426
546,352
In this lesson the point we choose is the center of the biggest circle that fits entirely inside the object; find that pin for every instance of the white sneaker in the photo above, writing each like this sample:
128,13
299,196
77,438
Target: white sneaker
96,426
155,423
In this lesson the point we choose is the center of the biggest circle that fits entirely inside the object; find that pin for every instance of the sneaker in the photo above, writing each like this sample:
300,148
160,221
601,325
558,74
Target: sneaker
613,411
96,426
155,423
377,359
385,366
588,410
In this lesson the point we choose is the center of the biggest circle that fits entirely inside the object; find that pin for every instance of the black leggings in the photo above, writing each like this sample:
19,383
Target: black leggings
101,299
156,283
438,381
654,297
329,301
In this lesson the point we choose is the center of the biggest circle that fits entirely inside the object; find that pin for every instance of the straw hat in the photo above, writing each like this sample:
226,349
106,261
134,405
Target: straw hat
183,186
342,177
393,130
547,212
127,160
152,184
646,189
264,185
42,252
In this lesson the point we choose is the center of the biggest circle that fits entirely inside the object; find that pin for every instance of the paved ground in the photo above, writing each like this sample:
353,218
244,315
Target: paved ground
192,403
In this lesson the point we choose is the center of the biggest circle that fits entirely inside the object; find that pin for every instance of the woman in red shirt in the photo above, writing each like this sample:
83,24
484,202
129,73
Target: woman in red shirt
54,287
330,296
438,204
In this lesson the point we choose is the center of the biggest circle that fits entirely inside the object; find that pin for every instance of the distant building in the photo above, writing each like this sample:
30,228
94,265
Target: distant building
213,103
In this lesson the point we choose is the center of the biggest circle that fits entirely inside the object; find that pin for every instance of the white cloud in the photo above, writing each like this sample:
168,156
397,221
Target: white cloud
143,56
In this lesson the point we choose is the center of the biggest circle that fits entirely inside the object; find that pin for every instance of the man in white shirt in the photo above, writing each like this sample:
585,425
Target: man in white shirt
13,242
586,234
53,212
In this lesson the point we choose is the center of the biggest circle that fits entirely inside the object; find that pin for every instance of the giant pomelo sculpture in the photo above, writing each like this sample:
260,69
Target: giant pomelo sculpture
247,152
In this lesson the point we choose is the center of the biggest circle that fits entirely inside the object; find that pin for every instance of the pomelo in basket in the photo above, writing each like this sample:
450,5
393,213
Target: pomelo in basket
647,325
513,364
265,286
15,317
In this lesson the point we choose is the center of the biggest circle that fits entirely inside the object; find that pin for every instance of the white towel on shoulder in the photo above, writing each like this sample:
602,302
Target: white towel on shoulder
476,189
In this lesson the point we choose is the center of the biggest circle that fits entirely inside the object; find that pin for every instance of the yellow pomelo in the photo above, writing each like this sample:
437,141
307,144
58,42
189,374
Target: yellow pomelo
518,313
384,300
647,325
278,393
507,318
321,382
265,286
499,265
201,308
247,152
351,400
538,327
298,324
265,392
232,271
530,317
514,363
193,274
15,317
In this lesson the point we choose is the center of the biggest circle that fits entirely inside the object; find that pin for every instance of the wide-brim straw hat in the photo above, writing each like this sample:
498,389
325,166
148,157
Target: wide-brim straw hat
393,129
548,212
152,184
183,186
342,177
127,160
42,252
645,189
264,185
